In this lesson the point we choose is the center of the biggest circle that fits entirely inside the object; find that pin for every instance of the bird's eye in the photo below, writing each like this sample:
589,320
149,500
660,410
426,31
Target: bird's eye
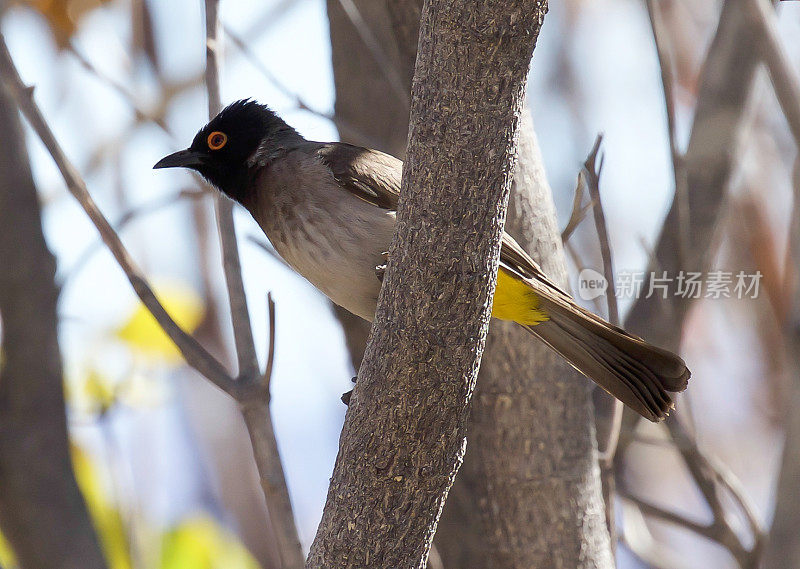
217,140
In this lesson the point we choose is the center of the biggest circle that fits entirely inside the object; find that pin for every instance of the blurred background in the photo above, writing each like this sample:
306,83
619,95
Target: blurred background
162,456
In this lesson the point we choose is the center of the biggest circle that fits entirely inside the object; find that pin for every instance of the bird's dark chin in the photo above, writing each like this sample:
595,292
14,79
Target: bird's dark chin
229,183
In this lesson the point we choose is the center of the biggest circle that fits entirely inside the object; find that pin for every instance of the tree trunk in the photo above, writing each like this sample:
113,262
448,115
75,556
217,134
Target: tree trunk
470,534
42,512
783,547
403,437
529,493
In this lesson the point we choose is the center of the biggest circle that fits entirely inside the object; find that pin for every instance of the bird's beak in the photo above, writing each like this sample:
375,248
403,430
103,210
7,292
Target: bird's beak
182,159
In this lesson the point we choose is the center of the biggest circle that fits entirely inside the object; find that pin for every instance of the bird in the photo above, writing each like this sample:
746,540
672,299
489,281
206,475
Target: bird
329,210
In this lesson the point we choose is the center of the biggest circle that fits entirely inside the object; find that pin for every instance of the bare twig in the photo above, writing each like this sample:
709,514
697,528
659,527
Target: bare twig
609,407
592,170
783,549
578,212
192,351
678,161
706,530
271,16
258,419
255,410
266,248
711,478
342,124
240,316
641,542
127,96
126,218
784,79
266,378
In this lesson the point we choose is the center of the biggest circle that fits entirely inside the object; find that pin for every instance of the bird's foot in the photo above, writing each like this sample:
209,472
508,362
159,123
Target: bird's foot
380,270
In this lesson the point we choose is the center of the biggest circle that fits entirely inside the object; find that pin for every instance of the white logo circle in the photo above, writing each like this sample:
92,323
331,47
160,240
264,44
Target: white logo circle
591,284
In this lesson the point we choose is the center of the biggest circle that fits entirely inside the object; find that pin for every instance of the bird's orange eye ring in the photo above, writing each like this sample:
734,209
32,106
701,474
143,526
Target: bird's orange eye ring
217,140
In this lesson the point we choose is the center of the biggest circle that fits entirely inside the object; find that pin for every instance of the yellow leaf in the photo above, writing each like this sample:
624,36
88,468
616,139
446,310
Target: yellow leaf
95,393
63,16
106,518
143,334
199,542
7,558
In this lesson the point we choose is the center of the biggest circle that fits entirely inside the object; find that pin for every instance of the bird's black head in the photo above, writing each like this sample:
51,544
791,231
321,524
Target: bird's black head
221,152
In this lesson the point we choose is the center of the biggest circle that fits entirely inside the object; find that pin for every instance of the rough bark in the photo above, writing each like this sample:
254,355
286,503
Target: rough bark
529,493
42,512
473,531
403,437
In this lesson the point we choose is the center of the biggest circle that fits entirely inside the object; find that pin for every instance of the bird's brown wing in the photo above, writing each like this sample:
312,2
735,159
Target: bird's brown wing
637,373
368,174
375,177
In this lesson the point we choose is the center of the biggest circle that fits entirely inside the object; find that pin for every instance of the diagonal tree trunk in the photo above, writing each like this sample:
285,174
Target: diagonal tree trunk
42,512
475,529
529,493
404,432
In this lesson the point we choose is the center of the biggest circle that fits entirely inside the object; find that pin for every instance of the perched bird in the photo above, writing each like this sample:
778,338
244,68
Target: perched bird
329,211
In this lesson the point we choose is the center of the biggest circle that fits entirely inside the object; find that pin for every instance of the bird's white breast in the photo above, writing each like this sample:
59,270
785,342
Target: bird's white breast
331,237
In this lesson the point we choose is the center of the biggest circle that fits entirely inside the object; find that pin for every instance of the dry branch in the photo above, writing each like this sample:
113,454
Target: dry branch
608,410
251,393
783,76
783,548
709,163
255,410
194,353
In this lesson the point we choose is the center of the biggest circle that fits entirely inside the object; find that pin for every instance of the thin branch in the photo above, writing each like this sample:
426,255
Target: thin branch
784,79
578,213
255,409
678,159
240,316
706,530
121,90
342,124
640,541
266,248
195,355
271,17
593,169
254,60
126,218
266,379
710,477
609,406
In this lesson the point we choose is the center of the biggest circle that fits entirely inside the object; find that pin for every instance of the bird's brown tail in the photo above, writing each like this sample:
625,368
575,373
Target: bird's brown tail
640,375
